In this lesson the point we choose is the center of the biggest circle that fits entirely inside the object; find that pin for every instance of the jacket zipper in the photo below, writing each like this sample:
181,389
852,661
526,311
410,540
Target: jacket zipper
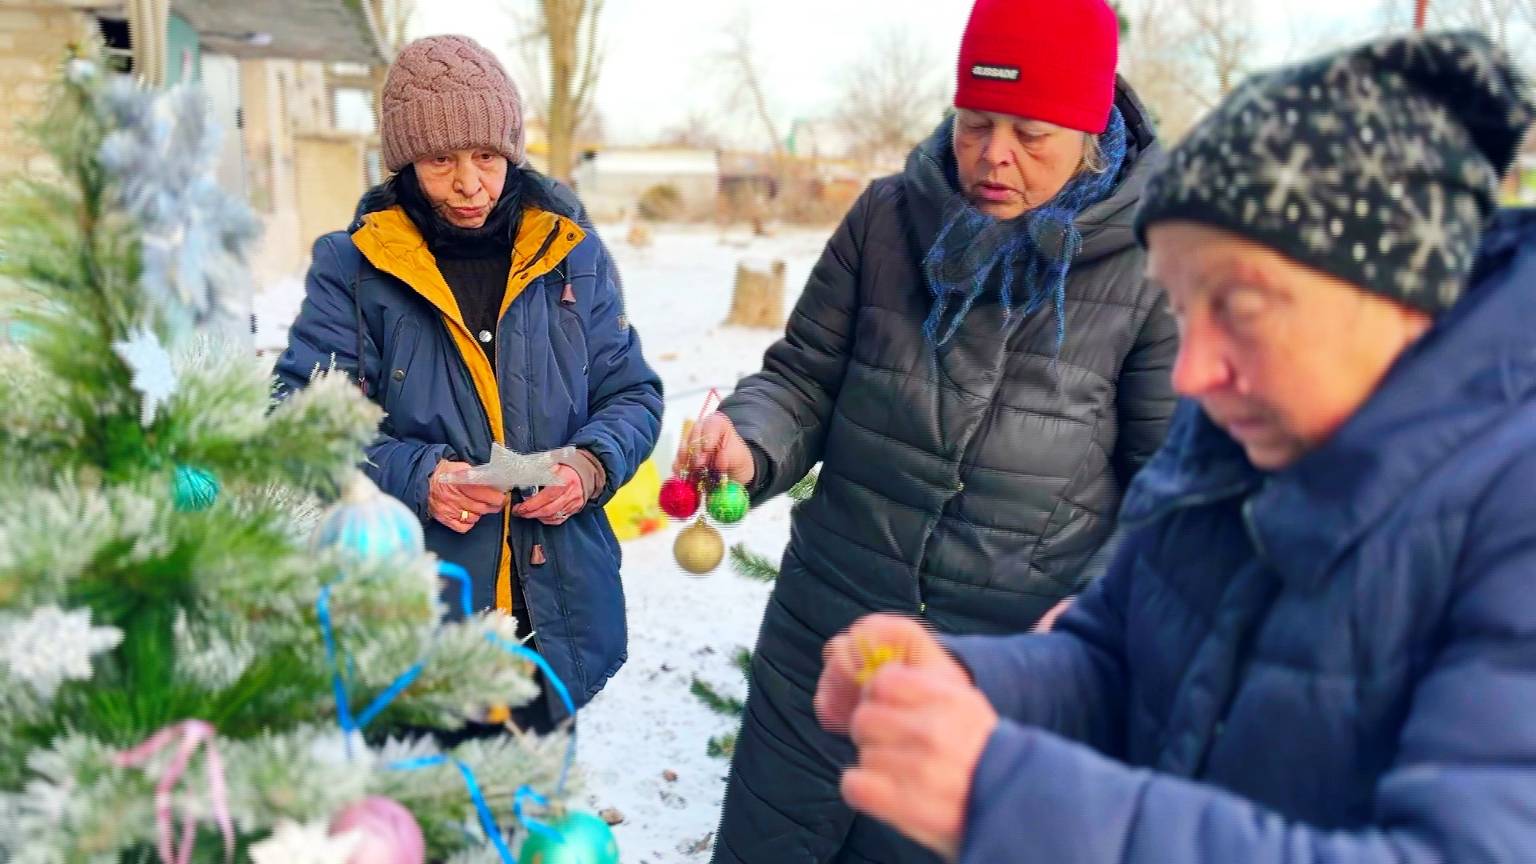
519,572
1253,528
485,418
1198,499
543,250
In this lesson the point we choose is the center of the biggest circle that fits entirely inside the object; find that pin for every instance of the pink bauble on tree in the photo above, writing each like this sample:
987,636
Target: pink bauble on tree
389,833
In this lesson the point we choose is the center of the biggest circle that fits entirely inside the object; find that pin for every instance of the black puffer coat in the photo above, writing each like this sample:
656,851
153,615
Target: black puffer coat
973,491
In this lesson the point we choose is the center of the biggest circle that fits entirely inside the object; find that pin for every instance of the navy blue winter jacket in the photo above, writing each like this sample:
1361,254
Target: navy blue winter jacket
568,370
1331,663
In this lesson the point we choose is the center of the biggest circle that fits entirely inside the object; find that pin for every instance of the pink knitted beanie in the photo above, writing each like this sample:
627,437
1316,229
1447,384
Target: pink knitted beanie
447,93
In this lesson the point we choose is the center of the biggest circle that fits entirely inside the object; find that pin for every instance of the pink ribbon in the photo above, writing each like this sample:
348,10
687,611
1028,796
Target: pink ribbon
192,734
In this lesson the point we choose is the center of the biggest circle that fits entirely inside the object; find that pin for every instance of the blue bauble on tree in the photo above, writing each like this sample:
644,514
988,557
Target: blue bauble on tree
368,525
194,489
583,839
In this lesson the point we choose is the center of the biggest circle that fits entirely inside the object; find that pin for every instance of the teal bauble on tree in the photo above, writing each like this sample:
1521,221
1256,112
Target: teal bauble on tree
583,839
368,525
194,489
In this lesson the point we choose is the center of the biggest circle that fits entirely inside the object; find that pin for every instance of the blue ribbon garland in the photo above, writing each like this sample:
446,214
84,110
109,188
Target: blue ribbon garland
350,724
487,818
523,796
458,574
554,680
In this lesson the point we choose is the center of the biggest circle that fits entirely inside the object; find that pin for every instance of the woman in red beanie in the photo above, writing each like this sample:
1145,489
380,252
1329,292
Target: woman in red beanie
980,368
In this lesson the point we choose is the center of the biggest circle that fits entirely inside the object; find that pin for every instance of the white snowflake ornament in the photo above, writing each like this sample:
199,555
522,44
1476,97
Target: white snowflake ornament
53,646
508,470
153,375
312,843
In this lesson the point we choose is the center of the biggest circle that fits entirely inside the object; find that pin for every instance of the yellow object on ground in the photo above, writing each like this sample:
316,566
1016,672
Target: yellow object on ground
633,511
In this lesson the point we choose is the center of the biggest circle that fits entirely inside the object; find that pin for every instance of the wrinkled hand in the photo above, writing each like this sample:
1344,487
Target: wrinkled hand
850,659
715,446
555,504
460,506
920,734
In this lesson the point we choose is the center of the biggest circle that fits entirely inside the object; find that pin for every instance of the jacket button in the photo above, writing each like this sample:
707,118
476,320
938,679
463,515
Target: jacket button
398,375
959,487
571,236
485,337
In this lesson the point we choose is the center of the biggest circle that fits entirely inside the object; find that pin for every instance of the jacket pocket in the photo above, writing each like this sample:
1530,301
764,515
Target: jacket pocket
400,352
574,328
572,361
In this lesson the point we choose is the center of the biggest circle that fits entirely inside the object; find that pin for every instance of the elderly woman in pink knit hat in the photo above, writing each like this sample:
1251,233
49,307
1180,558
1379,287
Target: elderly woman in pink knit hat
477,307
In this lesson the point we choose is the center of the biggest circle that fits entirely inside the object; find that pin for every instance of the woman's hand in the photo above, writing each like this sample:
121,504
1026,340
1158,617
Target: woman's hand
714,445
852,657
555,504
460,506
920,732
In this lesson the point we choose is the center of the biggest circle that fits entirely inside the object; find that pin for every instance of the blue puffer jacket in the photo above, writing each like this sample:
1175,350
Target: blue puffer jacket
1331,663
566,373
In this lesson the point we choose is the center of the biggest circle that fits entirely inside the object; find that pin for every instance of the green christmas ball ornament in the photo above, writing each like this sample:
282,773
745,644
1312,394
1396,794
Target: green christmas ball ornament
582,839
728,503
194,489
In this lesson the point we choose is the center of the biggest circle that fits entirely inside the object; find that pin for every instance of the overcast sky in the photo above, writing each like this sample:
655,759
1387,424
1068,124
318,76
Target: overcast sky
659,53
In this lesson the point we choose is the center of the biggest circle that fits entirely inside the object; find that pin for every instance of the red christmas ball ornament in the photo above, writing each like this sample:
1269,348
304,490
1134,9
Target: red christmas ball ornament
679,498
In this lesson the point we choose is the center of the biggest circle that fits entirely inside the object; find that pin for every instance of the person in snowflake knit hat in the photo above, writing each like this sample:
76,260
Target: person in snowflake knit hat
1379,166
1318,640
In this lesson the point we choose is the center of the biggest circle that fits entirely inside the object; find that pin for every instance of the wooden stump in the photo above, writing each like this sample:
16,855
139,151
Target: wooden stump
758,298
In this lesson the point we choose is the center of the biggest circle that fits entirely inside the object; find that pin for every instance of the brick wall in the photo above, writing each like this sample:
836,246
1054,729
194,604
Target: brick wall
33,40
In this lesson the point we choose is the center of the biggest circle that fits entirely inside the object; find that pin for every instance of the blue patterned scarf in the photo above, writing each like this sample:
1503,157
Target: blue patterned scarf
1035,249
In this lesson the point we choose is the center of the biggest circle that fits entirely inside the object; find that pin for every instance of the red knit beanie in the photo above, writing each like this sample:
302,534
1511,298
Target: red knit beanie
1051,60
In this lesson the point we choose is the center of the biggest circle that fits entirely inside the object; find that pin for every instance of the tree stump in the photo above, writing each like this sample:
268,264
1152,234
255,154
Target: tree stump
639,236
758,297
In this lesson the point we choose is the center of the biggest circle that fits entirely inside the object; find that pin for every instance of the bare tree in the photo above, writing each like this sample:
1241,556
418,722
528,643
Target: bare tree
1159,64
890,98
1493,17
560,49
1509,24
746,79
698,130
1224,37
392,18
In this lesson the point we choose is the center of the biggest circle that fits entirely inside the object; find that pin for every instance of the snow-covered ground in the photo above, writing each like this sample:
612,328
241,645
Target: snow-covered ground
646,724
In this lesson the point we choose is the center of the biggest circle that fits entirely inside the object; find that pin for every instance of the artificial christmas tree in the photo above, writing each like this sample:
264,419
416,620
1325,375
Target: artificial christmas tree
184,674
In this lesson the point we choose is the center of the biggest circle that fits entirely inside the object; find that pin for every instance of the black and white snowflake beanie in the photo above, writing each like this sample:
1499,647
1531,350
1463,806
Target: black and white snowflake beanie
1379,165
